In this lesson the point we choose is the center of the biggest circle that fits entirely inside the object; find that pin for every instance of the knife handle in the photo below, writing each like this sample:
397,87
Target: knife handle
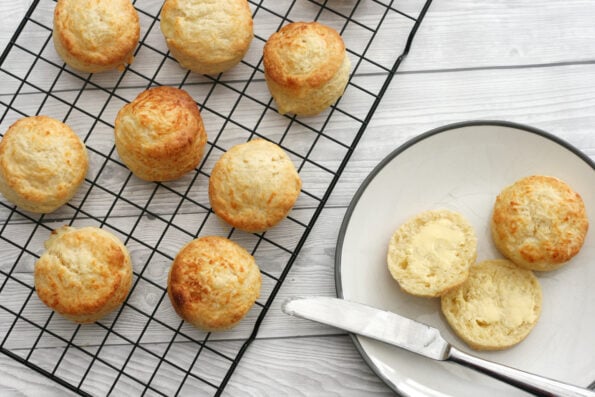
534,384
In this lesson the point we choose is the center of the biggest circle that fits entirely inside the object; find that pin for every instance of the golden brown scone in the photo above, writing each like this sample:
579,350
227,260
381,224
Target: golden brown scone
496,307
539,223
160,135
42,164
94,36
254,185
431,253
84,273
213,283
306,67
207,36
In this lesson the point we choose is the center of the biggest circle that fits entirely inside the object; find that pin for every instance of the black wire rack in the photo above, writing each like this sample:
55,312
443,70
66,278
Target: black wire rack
144,348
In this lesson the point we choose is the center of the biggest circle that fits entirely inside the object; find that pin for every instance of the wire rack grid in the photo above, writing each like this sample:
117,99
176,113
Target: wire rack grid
144,348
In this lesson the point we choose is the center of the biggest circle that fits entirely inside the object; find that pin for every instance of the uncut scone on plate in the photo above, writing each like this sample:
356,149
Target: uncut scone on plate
306,67
496,308
84,273
431,253
206,36
213,282
95,36
539,222
160,135
42,164
254,185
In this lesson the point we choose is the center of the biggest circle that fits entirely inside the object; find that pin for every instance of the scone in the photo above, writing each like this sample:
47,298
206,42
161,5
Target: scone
206,36
306,67
84,273
95,36
42,164
496,308
213,282
539,222
160,135
431,253
254,185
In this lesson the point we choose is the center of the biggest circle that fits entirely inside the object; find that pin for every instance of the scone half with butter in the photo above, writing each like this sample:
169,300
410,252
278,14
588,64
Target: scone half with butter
496,308
84,273
432,252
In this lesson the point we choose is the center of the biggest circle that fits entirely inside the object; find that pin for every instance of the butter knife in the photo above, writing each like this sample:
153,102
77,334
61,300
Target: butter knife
419,338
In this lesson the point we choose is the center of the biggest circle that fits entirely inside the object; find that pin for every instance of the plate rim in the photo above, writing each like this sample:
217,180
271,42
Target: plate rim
391,156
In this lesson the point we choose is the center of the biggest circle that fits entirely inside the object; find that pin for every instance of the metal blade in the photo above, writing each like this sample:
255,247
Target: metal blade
377,324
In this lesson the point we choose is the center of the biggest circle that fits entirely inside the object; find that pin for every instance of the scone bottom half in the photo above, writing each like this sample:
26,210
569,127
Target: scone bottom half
496,308
213,283
431,253
539,222
83,274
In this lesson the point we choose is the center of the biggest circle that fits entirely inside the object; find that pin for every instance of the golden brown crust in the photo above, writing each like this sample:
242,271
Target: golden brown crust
160,135
496,308
95,36
213,283
539,222
83,274
432,252
207,36
254,185
42,163
306,67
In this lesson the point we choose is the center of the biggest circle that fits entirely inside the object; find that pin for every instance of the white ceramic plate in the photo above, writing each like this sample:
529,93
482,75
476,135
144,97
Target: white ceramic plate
463,167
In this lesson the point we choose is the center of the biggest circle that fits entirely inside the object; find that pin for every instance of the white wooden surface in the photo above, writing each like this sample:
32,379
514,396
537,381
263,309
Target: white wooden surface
528,62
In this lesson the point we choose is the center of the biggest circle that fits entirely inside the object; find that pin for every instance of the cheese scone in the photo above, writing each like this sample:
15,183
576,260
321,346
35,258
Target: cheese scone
306,67
84,273
539,222
213,282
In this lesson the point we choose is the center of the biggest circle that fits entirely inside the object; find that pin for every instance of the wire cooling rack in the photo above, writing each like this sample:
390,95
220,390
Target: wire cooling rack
144,348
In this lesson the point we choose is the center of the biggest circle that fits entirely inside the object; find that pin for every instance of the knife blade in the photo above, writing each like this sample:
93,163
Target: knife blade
391,328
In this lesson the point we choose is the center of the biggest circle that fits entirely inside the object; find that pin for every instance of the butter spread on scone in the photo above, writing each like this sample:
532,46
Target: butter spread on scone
496,308
432,252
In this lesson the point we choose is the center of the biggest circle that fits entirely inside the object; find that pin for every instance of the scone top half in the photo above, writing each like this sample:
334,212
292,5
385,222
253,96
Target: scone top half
432,252
42,163
496,307
94,36
306,67
539,222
